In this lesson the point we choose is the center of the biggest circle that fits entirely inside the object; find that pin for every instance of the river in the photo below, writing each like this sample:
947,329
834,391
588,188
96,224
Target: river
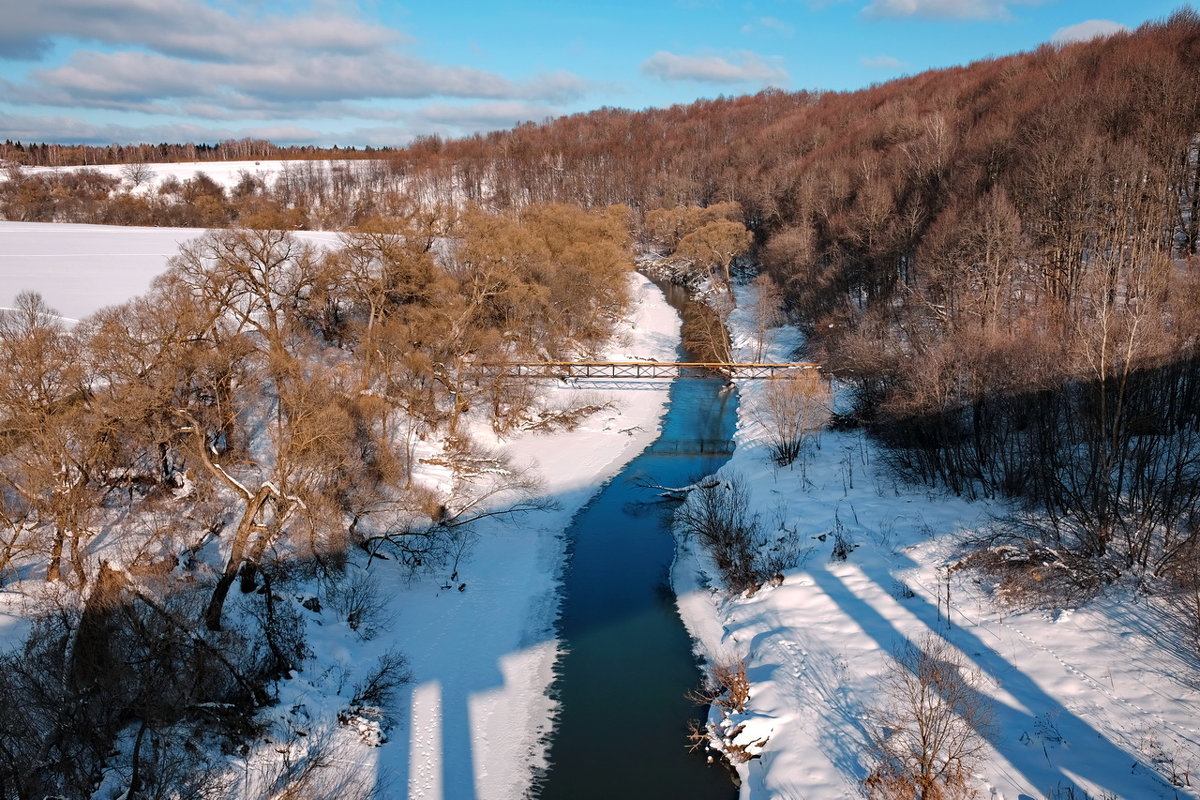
627,663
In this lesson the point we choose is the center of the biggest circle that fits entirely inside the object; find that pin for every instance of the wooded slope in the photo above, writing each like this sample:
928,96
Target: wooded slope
1003,256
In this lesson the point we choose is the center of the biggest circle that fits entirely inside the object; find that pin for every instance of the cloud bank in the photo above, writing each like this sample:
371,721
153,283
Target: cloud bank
883,62
237,63
747,68
942,9
1089,29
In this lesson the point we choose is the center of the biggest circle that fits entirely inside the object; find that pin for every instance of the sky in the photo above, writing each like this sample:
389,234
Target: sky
379,73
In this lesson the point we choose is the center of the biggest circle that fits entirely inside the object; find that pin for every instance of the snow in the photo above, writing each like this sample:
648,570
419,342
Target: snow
226,174
1100,699
13,627
473,721
79,269
482,658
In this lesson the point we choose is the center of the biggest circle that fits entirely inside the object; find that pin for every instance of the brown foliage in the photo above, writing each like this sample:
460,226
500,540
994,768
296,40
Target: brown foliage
794,407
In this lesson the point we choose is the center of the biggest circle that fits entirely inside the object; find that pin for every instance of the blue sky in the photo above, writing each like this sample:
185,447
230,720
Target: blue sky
378,73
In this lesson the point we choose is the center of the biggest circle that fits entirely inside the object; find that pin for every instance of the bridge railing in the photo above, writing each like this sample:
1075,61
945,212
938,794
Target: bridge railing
619,370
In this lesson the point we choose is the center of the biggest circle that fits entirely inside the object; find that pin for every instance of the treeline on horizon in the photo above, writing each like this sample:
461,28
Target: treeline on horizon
53,154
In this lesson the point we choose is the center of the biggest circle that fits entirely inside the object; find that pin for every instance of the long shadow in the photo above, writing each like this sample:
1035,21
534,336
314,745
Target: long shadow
626,664
621,384
1095,757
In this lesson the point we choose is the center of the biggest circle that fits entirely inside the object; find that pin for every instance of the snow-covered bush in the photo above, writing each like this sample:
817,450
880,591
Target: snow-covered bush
726,691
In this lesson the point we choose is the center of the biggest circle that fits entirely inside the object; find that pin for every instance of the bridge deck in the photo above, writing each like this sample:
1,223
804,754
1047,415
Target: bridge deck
635,369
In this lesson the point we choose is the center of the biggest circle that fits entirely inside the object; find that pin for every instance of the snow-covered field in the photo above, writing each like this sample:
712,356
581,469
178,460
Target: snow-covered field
1096,702
481,647
81,268
225,173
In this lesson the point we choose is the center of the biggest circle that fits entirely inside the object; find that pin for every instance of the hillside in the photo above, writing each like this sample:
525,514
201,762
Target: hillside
1001,257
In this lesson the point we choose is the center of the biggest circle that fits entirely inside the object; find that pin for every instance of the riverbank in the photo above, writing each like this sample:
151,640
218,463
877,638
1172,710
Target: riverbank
478,639
475,718
624,645
1097,701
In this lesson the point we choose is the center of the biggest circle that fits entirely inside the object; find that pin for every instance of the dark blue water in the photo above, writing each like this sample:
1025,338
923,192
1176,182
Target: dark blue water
628,663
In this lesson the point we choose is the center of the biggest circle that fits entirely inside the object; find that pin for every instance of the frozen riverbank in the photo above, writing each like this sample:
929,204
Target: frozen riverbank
1097,702
482,658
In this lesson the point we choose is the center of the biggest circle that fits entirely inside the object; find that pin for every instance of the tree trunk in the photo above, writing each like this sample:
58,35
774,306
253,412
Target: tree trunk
135,777
54,568
237,554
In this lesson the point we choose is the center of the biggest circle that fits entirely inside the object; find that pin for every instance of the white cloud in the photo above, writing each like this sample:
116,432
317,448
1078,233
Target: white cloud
67,129
186,28
73,130
399,128
488,116
237,61
883,62
749,68
1090,29
93,78
942,9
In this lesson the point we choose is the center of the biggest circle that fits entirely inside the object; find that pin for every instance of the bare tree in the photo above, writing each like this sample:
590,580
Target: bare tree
705,334
793,407
768,311
49,438
252,283
137,173
929,727
713,248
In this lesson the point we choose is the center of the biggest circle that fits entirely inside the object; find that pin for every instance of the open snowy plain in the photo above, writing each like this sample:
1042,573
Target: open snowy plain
225,174
79,269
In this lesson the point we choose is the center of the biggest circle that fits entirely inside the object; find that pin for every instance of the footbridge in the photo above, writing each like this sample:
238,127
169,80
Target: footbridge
624,370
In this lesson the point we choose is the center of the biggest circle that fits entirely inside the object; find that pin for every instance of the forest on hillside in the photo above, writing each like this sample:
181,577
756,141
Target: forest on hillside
1002,257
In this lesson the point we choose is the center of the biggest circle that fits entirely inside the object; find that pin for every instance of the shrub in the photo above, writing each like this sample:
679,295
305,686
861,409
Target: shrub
718,515
928,726
793,407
